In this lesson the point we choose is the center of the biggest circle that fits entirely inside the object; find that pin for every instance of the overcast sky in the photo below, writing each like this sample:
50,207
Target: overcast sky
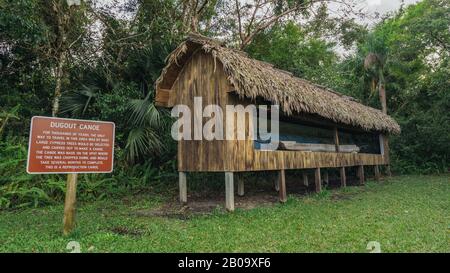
370,6
385,6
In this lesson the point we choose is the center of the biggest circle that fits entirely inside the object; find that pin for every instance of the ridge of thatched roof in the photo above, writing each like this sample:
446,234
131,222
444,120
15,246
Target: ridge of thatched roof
253,78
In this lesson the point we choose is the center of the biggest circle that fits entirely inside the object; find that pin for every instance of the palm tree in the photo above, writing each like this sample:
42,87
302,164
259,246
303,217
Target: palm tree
145,125
374,65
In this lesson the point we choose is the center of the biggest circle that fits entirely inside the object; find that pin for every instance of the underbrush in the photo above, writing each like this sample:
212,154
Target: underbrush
20,189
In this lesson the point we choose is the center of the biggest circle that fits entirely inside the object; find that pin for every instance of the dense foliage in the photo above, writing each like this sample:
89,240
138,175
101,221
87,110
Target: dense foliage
102,65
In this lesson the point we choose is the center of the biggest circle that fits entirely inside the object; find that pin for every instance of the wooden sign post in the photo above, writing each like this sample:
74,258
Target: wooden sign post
71,146
70,203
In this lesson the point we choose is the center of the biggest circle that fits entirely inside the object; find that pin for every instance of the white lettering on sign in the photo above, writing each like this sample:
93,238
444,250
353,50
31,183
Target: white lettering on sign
89,127
64,125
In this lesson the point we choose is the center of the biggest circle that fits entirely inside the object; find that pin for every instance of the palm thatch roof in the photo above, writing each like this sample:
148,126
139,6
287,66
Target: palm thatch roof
256,79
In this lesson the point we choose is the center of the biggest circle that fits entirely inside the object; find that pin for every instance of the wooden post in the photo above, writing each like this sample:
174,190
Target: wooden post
325,177
376,169
70,203
240,183
229,191
305,179
336,139
317,180
361,174
276,182
343,177
282,186
384,150
183,187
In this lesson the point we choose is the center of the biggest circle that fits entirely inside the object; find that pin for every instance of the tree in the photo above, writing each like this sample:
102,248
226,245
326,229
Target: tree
415,65
118,85
374,64
193,12
296,49
66,27
253,17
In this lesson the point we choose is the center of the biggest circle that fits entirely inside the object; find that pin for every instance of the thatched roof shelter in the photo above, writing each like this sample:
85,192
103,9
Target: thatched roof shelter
256,79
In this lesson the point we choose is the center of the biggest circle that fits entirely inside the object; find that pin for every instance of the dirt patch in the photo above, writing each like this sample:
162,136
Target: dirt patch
207,202
198,205
336,196
126,231
257,194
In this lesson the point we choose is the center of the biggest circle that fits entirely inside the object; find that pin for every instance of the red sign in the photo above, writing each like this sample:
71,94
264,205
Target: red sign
60,145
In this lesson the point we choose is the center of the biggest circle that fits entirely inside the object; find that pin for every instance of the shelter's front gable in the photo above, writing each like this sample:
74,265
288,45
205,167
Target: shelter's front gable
202,77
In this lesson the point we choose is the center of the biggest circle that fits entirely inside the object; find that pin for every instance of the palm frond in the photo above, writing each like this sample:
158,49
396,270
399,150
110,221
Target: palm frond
76,102
144,113
142,141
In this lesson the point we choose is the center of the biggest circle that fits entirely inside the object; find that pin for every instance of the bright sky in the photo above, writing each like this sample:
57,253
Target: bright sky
383,6
371,6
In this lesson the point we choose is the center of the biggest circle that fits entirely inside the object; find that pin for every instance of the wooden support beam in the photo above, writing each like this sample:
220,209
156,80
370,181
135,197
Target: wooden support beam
70,203
325,177
361,174
276,182
183,187
240,180
317,180
282,186
384,149
376,170
229,191
343,177
336,139
305,179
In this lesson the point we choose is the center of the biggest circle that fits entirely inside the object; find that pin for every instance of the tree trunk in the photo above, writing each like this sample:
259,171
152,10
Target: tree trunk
383,98
59,77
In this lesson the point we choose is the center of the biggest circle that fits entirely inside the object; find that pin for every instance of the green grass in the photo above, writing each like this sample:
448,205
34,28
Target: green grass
403,214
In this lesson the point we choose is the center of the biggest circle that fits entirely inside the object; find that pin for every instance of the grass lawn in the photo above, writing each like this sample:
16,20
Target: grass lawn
403,214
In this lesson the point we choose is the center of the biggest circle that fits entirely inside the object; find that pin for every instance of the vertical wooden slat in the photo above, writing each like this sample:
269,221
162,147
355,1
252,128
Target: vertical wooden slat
183,187
386,156
282,186
336,139
381,139
305,179
325,177
276,182
240,183
376,169
229,191
361,174
317,180
343,177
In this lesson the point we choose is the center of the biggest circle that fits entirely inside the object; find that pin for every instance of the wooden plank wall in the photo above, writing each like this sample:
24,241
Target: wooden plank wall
202,76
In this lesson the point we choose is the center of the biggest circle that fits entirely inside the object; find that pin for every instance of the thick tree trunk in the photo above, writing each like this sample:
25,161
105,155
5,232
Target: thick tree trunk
194,23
